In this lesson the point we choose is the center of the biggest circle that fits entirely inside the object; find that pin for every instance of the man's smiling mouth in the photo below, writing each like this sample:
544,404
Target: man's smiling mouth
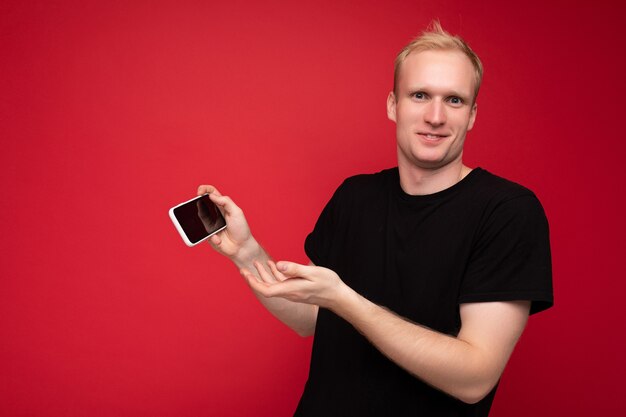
431,136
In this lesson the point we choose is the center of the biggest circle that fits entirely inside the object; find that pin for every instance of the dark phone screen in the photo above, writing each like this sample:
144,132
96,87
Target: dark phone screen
199,218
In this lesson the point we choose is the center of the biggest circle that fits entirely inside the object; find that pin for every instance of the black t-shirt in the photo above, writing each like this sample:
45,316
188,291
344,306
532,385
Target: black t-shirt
483,239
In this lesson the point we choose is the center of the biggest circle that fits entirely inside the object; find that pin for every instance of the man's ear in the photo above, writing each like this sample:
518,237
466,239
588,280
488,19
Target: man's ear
472,119
391,106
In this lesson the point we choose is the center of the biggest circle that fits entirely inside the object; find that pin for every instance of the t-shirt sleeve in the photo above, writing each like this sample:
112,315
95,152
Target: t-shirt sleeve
511,257
318,243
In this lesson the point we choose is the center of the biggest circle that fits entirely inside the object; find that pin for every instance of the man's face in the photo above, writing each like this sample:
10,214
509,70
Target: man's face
433,108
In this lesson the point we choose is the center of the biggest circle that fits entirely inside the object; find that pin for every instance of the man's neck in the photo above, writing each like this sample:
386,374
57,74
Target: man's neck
423,181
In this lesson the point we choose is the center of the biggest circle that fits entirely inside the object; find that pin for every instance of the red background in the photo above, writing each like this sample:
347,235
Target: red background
112,112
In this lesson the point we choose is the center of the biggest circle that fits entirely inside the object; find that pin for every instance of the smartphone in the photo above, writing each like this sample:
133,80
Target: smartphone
197,219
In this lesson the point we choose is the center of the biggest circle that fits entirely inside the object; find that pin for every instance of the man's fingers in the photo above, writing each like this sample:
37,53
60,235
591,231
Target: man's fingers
253,280
226,204
277,274
266,289
263,274
214,194
292,269
208,189
288,289
215,240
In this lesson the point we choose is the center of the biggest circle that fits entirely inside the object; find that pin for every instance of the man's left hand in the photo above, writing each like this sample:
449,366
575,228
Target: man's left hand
307,284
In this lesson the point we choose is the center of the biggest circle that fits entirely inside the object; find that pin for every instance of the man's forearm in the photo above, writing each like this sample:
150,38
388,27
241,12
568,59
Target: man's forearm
458,367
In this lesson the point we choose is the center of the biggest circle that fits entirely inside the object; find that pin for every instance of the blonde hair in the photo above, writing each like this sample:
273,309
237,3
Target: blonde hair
437,39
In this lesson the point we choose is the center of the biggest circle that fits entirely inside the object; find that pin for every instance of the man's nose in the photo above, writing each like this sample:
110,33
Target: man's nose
435,113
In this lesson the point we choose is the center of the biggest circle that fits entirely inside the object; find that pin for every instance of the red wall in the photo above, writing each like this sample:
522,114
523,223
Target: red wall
112,112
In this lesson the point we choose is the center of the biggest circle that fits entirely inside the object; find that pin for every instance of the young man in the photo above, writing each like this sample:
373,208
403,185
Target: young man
422,276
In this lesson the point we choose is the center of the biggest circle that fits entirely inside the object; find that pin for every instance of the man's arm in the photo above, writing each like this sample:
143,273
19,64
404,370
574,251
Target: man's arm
237,243
467,366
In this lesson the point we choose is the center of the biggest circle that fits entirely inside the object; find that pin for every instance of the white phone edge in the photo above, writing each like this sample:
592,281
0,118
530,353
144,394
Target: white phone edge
180,229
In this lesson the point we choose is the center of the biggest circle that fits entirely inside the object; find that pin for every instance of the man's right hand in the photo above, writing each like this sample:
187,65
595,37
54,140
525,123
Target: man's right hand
236,241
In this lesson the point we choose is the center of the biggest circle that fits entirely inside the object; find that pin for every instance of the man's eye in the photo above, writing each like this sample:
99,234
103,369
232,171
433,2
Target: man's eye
455,100
419,95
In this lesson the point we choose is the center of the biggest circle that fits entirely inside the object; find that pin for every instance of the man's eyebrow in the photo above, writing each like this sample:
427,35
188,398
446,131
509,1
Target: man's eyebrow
458,94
